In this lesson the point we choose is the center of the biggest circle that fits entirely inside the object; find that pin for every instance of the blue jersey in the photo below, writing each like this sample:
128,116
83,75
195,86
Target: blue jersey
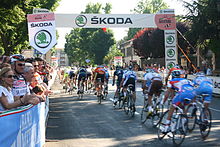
204,86
119,74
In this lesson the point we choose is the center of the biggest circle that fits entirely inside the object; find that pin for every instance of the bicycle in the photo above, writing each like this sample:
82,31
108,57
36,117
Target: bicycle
178,126
157,110
81,88
105,92
118,100
197,114
128,102
99,94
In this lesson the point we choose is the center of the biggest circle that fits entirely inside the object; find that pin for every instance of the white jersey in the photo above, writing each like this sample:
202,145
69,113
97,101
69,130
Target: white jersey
129,74
149,77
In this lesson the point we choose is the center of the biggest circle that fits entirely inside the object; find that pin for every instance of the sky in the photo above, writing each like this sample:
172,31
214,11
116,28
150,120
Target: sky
118,7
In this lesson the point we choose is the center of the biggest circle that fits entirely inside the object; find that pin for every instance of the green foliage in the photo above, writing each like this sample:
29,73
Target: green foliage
204,17
150,42
13,24
93,44
111,54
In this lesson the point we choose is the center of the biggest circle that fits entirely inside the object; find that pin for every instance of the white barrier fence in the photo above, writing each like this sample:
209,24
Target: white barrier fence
216,80
25,126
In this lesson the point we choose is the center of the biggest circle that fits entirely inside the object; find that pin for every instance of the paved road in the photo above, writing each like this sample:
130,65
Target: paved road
74,122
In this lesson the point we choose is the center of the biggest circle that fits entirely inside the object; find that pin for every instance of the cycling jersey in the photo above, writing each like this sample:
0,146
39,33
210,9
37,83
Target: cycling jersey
154,83
187,93
177,83
106,74
20,87
204,86
119,74
82,74
130,78
150,77
100,70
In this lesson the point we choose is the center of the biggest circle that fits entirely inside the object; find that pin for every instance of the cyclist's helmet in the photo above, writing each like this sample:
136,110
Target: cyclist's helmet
200,74
148,70
177,66
16,57
117,67
130,67
176,74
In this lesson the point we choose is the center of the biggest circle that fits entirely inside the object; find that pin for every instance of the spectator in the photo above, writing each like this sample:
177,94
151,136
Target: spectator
209,71
7,100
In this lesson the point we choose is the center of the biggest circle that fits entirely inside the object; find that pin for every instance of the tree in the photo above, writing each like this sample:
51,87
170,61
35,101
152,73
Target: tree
204,16
114,51
13,23
204,19
93,44
146,6
149,42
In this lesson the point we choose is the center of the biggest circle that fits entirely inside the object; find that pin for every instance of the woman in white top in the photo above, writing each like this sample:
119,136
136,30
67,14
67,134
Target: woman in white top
7,100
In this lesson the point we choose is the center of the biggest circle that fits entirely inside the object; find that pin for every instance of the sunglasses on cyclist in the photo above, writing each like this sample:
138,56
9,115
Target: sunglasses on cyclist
10,76
20,64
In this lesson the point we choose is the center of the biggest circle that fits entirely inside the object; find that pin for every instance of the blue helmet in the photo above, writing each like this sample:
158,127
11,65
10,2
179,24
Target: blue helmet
148,70
200,74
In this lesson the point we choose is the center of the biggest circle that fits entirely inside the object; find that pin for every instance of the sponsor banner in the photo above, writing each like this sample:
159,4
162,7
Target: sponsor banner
165,21
118,61
105,20
170,48
23,127
42,31
40,10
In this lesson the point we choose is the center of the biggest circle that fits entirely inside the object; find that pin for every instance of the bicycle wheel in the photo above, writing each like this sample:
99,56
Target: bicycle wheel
131,110
157,114
180,130
126,105
205,123
191,115
144,112
161,126
99,99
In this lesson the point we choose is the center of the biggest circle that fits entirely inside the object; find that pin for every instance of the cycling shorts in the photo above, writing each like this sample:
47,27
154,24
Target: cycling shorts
205,90
72,76
82,76
183,98
101,76
130,81
155,87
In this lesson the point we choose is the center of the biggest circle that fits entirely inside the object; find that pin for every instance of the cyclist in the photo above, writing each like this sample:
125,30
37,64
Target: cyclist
89,76
172,85
186,93
119,74
204,85
71,79
20,87
81,76
153,84
129,77
99,73
173,72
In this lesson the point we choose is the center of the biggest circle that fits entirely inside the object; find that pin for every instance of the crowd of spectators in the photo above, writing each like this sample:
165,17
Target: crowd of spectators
23,81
